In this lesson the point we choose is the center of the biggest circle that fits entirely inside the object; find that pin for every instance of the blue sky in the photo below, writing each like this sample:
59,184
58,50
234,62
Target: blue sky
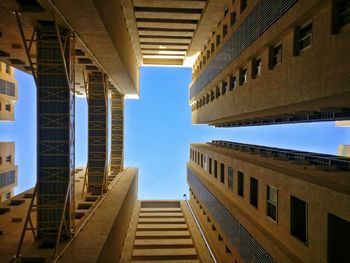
158,132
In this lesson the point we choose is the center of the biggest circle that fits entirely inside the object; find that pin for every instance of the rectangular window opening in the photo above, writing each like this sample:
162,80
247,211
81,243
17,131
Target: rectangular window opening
298,218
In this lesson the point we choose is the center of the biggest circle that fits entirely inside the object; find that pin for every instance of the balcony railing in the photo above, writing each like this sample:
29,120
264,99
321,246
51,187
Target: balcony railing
332,161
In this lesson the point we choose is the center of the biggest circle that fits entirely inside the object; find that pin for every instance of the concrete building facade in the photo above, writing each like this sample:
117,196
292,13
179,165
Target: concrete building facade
274,62
8,92
263,204
8,170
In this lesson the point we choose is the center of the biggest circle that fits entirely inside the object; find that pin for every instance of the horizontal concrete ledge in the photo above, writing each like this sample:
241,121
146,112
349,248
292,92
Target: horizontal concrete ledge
174,252
161,215
162,227
151,242
166,220
177,234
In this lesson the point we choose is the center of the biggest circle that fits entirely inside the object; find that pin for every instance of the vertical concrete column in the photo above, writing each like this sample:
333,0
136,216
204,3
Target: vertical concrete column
117,133
55,133
97,156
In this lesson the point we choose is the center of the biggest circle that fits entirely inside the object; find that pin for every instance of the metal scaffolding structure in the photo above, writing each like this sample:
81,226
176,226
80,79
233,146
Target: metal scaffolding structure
55,128
98,139
117,132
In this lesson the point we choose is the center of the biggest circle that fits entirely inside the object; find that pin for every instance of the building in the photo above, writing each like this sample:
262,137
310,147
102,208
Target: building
264,204
254,62
8,170
344,150
8,92
116,227
270,62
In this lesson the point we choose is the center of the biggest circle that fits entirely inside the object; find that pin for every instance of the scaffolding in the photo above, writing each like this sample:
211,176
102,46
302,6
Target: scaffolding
55,127
97,138
117,133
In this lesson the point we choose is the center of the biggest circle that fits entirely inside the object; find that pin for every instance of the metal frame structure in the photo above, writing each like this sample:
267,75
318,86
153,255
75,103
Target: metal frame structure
53,195
117,132
55,107
98,133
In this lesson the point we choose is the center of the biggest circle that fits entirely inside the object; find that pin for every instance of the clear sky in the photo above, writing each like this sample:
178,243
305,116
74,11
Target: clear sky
158,132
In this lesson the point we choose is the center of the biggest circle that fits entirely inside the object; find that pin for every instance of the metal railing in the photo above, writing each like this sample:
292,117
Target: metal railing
338,162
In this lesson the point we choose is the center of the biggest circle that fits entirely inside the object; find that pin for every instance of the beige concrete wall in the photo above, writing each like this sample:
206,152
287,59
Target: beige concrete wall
7,149
103,235
6,115
325,192
313,80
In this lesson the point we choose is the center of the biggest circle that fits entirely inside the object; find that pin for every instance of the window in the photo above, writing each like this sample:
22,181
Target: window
298,218
198,158
243,76
204,60
302,38
208,98
218,39
208,54
8,69
233,82
215,169
217,95
210,166
224,30
205,163
0,160
201,160
230,178
338,239
232,18
256,67
244,4
222,173
8,107
340,14
212,97
240,184
254,189
224,87
9,158
275,54
212,48
272,202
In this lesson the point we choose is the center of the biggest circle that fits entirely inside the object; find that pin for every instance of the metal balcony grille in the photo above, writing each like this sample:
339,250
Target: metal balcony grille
117,112
55,127
248,248
7,87
97,155
261,18
7,178
339,162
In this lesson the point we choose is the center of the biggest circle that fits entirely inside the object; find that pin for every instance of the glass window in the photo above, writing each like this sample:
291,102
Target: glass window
230,178
298,218
305,36
233,82
210,166
244,4
215,169
243,76
240,183
218,39
272,202
8,107
224,87
217,95
8,69
224,30
222,173
256,67
233,18
275,56
254,191
338,239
